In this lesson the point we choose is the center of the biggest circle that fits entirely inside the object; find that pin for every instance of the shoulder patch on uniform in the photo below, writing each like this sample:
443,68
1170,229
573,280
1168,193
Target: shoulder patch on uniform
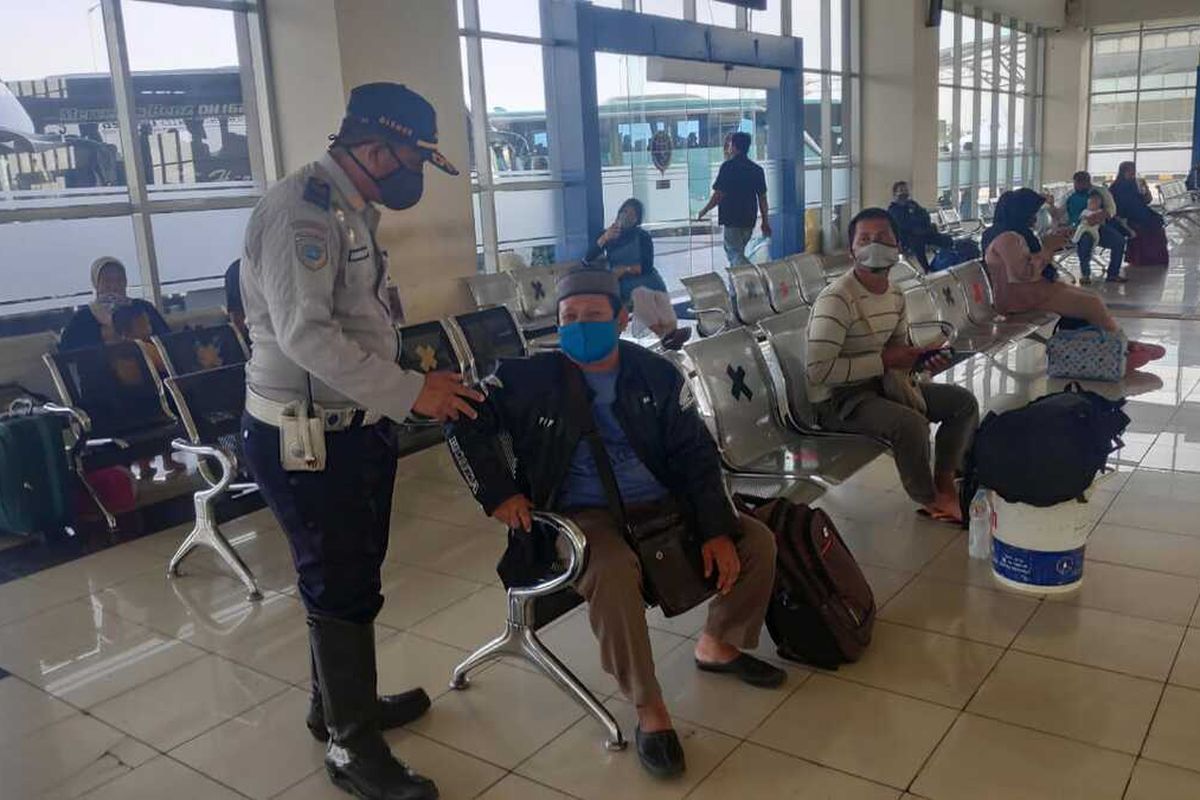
317,192
312,246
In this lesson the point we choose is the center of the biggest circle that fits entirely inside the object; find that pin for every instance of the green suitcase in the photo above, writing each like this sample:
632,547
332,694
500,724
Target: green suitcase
35,477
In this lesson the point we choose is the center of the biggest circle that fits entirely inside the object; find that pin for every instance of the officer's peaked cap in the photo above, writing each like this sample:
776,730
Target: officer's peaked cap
400,114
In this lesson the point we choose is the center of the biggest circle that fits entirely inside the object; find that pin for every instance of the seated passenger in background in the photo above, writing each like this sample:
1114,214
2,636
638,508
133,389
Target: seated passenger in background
1101,227
630,254
1148,248
858,331
1017,263
92,325
917,231
661,454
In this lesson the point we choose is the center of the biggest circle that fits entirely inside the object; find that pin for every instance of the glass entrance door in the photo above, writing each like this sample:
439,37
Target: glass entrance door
662,143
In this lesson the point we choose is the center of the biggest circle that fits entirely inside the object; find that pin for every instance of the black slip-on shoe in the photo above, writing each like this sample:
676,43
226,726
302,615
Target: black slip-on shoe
749,669
660,752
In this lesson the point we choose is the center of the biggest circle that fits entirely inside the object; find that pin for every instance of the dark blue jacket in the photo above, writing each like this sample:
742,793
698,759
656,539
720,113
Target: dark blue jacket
530,404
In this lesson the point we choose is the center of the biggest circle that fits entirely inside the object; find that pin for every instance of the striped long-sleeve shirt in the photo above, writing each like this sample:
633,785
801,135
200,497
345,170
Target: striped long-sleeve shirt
847,331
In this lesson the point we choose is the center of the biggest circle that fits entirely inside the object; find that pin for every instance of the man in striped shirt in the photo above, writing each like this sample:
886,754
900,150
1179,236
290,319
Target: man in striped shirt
857,331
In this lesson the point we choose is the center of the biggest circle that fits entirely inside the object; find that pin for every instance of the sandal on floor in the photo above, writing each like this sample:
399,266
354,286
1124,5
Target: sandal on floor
1139,354
749,669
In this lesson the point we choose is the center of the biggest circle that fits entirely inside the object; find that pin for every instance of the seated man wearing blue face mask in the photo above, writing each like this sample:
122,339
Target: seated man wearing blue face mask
660,453
857,335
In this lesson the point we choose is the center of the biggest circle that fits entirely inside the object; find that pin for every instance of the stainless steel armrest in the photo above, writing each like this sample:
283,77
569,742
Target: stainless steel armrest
77,415
576,558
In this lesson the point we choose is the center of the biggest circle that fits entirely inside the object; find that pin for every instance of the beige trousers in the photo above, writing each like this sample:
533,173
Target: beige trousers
612,586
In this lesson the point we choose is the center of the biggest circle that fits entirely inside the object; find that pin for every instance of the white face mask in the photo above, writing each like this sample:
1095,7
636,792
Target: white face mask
877,256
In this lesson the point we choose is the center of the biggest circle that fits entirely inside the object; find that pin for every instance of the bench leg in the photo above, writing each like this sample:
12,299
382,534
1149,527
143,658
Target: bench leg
206,531
519,641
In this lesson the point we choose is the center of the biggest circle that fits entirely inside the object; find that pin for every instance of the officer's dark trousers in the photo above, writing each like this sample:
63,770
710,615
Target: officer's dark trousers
336,520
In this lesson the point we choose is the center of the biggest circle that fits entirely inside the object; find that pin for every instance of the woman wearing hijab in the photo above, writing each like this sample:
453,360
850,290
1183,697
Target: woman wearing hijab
92,325
630,253
1021,269
1149,246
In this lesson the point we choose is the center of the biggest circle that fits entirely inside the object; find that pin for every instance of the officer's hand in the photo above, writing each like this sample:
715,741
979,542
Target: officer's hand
445,398
721,553
516,512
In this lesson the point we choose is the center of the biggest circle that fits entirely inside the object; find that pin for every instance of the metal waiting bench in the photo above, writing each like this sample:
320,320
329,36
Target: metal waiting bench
733,385
783,285
1180,204
210,404
710,303
118,408
810,271
750,300
519,638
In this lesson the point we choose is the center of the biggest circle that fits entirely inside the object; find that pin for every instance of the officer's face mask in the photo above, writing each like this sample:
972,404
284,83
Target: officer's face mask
588,342
399,189
877,256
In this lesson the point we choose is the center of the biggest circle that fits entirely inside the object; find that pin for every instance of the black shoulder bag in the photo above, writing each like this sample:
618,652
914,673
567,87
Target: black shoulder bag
669,552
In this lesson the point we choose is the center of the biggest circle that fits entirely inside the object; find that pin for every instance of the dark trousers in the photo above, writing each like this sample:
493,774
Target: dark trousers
1110,237
337,521
917,244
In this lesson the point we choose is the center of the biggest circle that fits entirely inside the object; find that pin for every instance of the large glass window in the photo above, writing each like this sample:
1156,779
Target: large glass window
1143,89
517,194
159,171
989,101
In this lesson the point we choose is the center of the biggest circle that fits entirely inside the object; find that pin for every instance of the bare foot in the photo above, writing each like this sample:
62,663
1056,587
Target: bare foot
654,717
944,509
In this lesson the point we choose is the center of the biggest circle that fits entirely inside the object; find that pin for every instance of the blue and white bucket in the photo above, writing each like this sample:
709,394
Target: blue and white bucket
1040,550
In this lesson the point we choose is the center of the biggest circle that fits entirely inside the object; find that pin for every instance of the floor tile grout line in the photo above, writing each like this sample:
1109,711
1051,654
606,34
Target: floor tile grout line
963,710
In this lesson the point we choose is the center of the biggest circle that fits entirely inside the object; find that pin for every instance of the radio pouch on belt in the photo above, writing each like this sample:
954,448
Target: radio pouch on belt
301,438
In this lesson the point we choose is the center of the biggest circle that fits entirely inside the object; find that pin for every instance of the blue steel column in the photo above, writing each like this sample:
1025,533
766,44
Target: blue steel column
573,123
1196,123
785,145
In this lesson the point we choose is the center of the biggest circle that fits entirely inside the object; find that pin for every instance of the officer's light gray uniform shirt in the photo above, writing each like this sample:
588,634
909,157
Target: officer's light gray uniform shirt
313,283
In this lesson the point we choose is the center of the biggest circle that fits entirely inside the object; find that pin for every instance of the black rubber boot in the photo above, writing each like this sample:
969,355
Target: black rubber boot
395,710
357,757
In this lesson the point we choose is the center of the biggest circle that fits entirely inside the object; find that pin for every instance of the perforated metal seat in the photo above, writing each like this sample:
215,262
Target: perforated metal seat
197,349
484,337
750,299
980,304
811,273
783,285
710,303
733,376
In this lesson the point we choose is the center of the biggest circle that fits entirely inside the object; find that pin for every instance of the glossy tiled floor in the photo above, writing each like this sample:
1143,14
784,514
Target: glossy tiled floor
127,685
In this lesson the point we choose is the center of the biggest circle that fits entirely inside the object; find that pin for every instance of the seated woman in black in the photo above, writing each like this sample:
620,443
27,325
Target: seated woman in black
92,325
630,255
1149,246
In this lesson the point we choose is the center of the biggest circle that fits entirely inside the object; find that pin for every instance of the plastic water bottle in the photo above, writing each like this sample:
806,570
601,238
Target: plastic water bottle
979,545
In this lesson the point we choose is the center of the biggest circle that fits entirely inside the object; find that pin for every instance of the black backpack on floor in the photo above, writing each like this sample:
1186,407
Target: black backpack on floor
1047,452
822,609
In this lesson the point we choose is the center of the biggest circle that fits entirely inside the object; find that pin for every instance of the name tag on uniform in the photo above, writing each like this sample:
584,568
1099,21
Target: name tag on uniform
358,254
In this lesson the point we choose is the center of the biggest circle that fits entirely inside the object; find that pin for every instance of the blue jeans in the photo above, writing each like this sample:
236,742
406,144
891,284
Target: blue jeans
1111,238
735,242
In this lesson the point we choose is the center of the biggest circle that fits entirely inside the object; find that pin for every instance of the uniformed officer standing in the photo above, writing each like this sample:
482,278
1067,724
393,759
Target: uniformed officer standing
323,392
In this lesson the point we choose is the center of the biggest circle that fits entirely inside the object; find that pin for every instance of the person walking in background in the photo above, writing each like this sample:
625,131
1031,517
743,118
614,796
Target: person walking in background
740,195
